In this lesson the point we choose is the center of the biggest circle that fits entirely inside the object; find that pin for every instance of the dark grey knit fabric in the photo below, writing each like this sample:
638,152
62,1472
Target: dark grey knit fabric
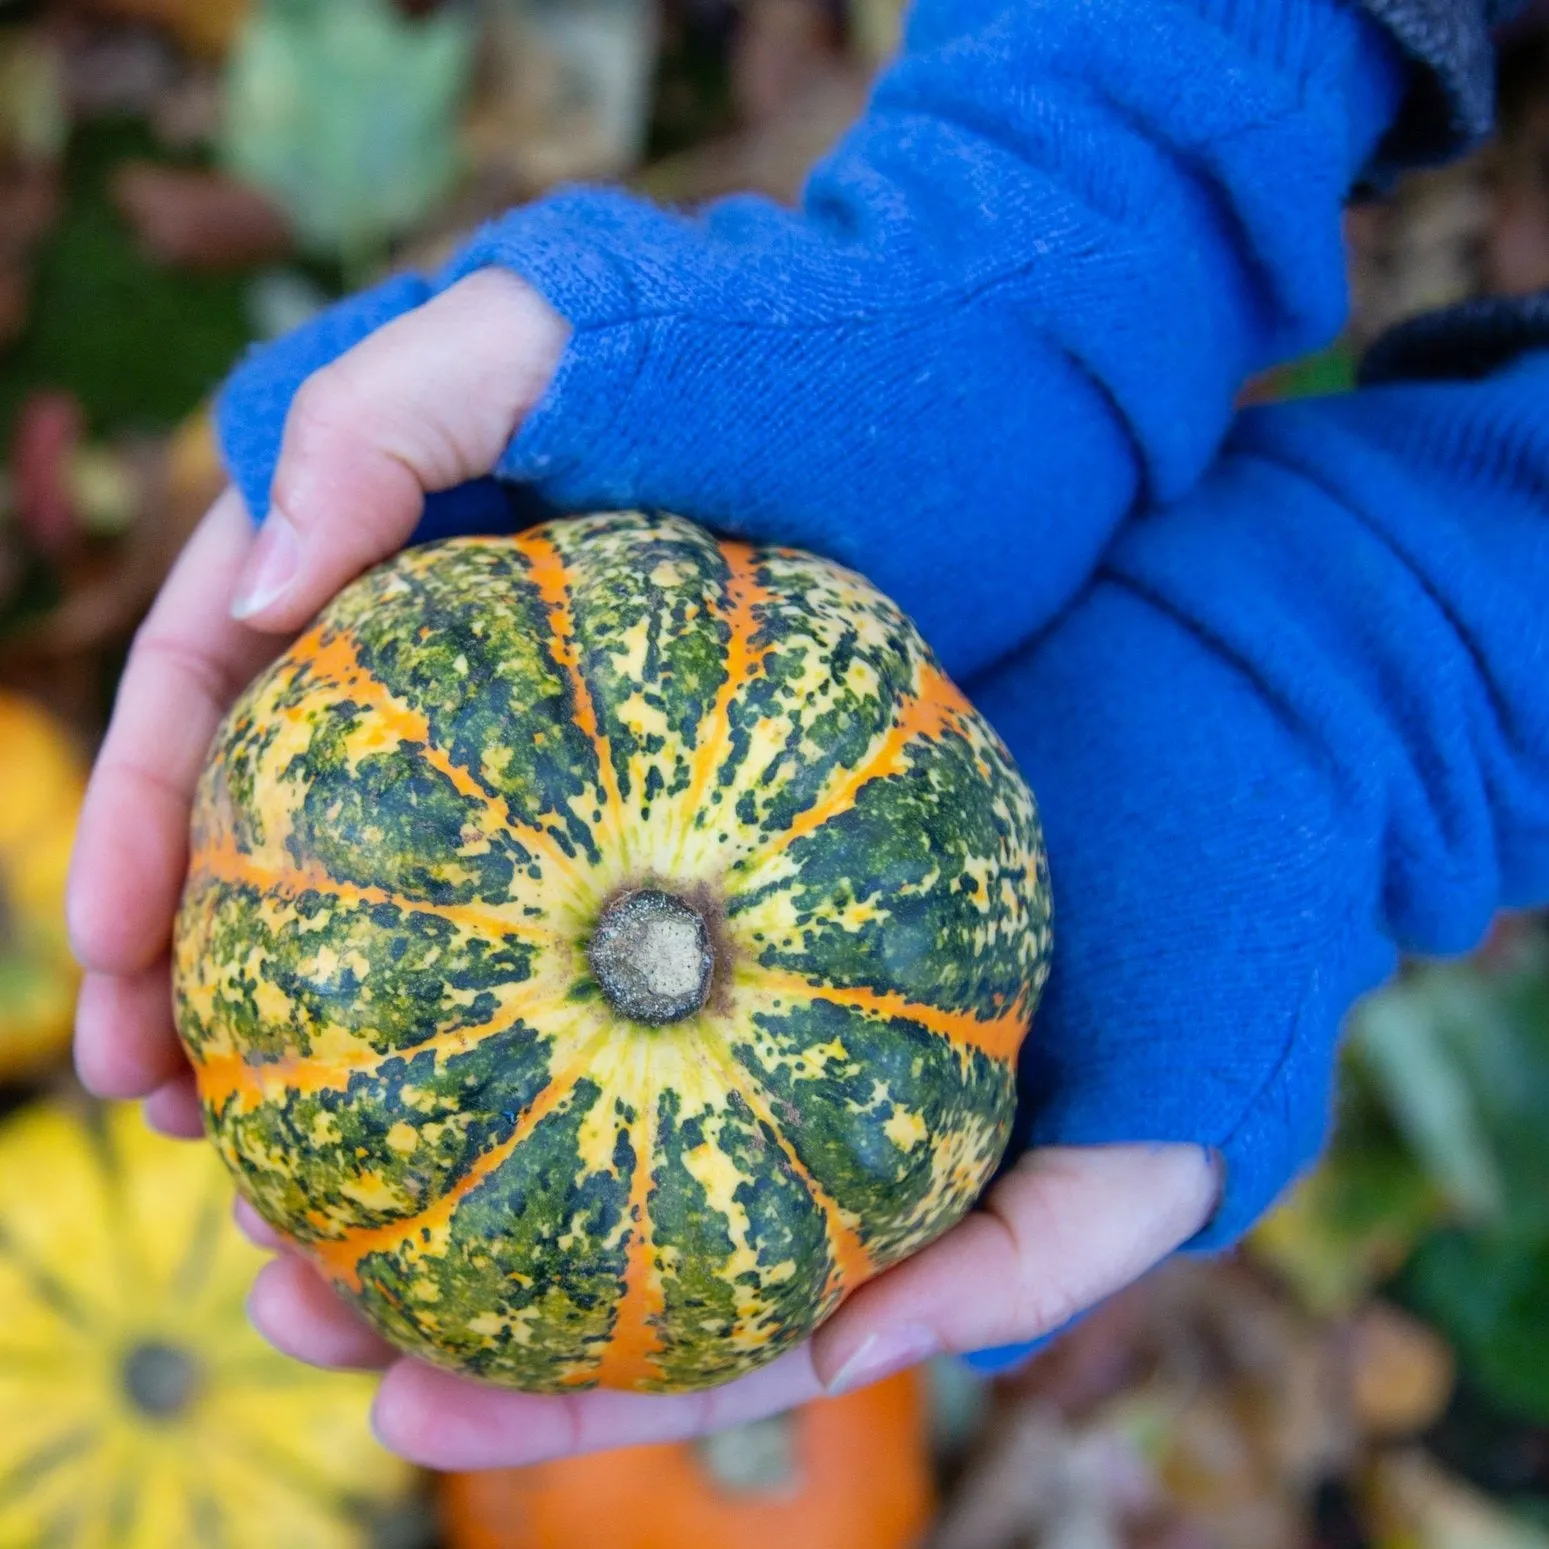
1451,101
1468,341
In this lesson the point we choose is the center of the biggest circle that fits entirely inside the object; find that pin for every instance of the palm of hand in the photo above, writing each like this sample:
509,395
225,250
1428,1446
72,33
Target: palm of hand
1061,1230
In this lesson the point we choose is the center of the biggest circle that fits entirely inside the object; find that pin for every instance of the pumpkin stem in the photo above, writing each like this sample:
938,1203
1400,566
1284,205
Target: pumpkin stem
652,955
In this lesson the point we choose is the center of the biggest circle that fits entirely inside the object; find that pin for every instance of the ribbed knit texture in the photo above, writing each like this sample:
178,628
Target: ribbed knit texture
1299,721
1019,298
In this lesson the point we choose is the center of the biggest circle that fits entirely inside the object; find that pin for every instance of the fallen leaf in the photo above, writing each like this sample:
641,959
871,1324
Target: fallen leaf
46,434
781,48
773,159
1401,1372
34,120
346,114
197,219
15,303
565,90
204,27
1413,1504
877,27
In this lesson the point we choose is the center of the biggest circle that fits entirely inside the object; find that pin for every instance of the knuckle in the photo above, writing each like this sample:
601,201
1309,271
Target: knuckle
322,401
196,671
1036,1300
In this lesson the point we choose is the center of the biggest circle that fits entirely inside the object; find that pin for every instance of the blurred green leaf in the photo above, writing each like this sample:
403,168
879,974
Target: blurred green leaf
1488,1292
34,122
1460,1055
347,112
1354,1221
1411,1037
1331,370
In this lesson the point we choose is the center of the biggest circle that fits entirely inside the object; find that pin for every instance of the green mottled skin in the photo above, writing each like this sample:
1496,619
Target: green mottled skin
407,832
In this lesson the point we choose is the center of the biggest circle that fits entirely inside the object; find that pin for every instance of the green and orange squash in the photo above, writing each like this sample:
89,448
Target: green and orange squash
605,948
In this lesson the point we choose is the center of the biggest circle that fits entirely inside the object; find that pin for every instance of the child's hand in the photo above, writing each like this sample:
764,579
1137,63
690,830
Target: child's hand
1062,1230
1296,719
424,403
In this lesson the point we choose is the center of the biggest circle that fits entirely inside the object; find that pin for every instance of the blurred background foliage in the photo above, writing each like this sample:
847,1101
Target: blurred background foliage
179,178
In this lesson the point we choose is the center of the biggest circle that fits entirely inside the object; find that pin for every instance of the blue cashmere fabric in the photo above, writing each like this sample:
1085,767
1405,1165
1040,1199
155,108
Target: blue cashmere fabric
1019,298
1298,721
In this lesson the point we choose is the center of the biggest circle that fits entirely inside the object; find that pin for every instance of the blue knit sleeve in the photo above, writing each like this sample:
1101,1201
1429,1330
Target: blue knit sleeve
1298,723
1019,297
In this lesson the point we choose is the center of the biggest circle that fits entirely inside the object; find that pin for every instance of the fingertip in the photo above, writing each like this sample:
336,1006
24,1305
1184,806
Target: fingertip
125,1042
295,1310
435,1420
264,595
1064,1229
173,1109
255,1228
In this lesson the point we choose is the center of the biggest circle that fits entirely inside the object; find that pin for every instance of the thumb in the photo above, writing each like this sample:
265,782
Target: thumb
1066,1227
427,402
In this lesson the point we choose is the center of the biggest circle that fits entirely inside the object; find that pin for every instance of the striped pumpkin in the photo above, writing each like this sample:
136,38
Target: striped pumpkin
604,949
138,1409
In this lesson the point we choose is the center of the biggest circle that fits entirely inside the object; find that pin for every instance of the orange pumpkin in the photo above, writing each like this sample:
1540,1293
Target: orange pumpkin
841,1473
42,782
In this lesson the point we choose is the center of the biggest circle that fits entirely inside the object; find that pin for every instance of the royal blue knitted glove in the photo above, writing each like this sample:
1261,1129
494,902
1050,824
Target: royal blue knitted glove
1021,295
1298,722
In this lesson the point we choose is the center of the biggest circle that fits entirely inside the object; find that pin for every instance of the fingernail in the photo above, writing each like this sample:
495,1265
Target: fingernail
271,568
882,1354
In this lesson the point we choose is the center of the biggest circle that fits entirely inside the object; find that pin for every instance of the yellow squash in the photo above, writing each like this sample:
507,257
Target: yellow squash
41,785
138,1410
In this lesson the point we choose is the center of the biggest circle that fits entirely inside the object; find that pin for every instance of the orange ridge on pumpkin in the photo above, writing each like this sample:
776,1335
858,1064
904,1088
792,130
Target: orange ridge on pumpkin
744,593
998,1038
547,571
226,864
340,1258
334,656
936,706
224,1074
851,1261
628,1357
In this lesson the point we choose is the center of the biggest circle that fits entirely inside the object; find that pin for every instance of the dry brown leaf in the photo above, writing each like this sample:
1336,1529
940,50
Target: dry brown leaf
1412,1503
773,159
15,303
782,47
1421,249
197,219
564,91
107,587
29,205
1039,1480
203,27
47,431
1401,1373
